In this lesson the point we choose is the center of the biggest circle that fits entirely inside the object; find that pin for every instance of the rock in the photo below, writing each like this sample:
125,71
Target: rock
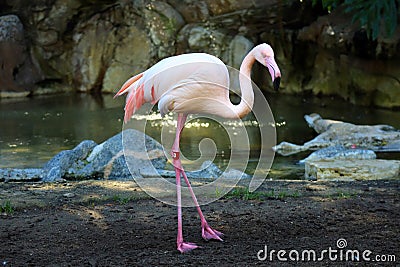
238,49
69,195
192,11
352,169
378,138
233,173
57,168
16,70
135,43
163,22
21,175
339,152
200,38
108,159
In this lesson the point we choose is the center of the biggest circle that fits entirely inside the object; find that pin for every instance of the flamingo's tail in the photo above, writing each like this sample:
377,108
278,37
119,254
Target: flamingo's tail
125,87
135,98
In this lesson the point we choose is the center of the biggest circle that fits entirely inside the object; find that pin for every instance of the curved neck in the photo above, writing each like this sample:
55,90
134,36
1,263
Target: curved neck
247,94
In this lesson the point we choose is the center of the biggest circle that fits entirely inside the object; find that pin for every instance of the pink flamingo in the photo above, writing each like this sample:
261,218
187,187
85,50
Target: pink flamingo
195,83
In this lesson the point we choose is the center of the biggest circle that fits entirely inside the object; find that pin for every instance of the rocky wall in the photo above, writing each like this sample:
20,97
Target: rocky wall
94,46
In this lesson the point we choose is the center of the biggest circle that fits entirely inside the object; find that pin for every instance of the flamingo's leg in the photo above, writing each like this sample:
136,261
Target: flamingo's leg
182,246
207,232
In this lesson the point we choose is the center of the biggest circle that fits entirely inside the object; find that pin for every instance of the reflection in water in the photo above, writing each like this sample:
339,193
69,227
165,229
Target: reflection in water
33,130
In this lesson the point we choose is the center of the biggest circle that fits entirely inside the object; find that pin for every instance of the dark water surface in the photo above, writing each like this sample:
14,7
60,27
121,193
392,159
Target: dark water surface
33,130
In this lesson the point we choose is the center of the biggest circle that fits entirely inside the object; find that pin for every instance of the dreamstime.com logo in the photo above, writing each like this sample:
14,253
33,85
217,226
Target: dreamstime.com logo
338,253
240,143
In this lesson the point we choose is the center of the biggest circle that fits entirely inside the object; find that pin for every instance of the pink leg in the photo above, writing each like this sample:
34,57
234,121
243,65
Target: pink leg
207,232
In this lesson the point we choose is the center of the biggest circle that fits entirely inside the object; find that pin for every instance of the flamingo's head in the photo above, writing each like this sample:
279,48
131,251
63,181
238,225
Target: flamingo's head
265,55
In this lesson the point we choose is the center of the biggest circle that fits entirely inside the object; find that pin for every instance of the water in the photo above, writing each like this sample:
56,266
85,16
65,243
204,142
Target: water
33,130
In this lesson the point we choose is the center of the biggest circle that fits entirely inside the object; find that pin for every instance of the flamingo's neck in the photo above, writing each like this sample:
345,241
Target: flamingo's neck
247,94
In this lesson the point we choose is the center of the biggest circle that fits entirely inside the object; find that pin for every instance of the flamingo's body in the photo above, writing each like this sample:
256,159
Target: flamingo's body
195,83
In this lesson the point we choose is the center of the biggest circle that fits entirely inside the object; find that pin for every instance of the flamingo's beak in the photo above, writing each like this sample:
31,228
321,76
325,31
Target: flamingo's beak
276,83
274,71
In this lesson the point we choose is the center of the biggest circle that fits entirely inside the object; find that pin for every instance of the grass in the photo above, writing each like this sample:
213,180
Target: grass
6,207
343,195
122,200
244,194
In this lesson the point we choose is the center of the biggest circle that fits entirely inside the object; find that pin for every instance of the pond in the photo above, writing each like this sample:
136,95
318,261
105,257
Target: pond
33,130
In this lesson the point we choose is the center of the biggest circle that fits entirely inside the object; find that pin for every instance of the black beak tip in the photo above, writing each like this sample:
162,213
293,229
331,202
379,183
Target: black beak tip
276,83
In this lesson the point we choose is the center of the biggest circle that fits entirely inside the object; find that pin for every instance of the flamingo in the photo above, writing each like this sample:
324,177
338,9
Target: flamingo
189,84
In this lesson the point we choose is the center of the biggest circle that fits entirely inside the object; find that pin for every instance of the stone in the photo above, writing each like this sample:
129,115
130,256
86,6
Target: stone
234,174
69,195
238,49
352,169
21,175
57,168
378,138
339,152
16,70
131,56
203,38
11,29
110,159
163,22
192,11
90,51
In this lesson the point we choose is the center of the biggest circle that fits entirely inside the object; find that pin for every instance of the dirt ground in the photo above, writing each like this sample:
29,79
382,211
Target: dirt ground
109,223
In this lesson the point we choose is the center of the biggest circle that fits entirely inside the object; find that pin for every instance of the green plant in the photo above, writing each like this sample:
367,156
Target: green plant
245,194
373,15
6,207
345,195
218,193
120,199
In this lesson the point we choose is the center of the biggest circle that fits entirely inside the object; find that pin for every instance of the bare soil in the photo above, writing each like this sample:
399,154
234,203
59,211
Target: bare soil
109,223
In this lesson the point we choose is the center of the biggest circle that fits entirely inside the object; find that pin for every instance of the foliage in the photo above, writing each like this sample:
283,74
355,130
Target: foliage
245,194
373,15
6,207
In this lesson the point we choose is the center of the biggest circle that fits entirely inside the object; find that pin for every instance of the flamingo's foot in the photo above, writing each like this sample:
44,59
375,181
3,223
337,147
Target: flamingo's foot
186,246
209,233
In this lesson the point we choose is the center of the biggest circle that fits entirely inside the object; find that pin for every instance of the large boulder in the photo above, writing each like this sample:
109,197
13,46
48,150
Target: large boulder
17,73
108,160
59,166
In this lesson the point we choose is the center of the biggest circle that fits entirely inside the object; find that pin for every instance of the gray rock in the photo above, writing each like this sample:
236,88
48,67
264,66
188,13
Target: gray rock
238,49
352,169
58,167
11,29
14,59
340,152
21,175
109,159
163,22
379,138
